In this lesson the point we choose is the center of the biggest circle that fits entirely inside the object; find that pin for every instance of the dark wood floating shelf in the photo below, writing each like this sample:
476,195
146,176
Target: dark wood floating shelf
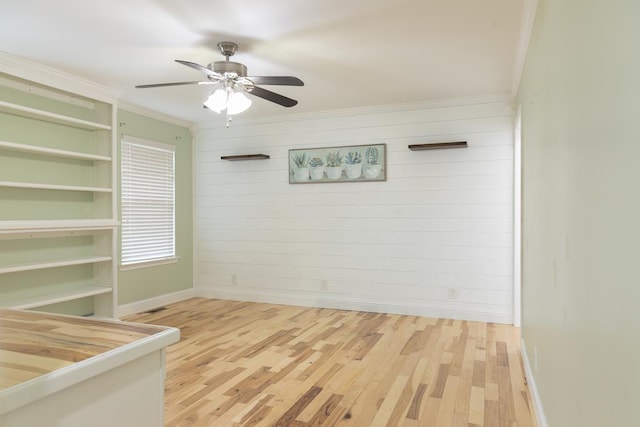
438,145
246,157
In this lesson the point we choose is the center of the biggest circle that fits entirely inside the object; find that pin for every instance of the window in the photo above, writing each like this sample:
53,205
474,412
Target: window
148,201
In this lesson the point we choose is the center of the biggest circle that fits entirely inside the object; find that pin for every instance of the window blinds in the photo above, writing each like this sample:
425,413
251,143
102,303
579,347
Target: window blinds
148,201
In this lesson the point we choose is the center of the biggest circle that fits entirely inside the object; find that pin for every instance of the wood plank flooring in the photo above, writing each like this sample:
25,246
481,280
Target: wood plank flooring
249,364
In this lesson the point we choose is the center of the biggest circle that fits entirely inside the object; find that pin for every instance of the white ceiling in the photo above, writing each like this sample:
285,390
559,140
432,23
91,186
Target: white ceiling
349,53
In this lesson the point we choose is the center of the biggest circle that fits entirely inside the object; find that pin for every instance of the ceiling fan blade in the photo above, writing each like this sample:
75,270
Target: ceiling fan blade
276,80
173,84
272,96
208,72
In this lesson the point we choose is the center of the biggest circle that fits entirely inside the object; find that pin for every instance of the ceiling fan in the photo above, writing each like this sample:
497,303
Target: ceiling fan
233,82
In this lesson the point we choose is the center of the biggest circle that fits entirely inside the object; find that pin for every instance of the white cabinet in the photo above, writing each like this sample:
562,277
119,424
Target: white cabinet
58,226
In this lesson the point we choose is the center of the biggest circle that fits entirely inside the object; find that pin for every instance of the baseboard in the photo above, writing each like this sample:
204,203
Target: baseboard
414,310
256,296
155,302
533,389
316,300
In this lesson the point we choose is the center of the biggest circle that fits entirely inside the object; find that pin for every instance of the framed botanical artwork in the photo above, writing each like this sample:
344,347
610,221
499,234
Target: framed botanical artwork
352,163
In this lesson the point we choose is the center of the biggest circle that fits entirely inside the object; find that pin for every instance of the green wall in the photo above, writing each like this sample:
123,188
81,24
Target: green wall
152,281
581,204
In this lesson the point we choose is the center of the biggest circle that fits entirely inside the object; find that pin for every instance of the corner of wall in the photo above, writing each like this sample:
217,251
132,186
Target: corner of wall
533,388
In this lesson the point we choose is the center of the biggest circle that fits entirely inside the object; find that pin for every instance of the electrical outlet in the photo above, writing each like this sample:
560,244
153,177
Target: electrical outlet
324,285
234,280
453,294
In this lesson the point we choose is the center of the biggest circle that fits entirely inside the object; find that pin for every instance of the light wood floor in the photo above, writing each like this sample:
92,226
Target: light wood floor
248,364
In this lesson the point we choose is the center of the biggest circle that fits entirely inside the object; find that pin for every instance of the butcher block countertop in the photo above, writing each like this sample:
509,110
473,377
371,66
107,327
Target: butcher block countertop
42,353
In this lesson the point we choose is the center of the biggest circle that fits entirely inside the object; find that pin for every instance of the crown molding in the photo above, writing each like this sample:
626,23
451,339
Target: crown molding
26,69
152,114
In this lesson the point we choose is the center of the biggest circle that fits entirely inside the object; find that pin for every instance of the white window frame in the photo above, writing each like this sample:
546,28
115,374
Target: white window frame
147,200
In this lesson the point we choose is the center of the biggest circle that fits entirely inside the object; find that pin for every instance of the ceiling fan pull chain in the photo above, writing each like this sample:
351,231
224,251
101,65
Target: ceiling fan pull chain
227,89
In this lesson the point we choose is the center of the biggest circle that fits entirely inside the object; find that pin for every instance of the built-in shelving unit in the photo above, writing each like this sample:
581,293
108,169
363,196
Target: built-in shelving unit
26,148
56,297
58,225
34,113
438,145
18,227
34,185
53,264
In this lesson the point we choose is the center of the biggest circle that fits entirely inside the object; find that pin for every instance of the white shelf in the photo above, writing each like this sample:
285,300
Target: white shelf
51,151
21,110
52,264
56,297
56,187
100,229
43,226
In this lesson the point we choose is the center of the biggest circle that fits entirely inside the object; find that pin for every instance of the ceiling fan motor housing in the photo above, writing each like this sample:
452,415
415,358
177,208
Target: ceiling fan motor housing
228,67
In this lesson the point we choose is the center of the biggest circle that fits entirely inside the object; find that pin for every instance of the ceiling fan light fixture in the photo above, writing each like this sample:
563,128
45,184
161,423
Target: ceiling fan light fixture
217,101
233,101
237,103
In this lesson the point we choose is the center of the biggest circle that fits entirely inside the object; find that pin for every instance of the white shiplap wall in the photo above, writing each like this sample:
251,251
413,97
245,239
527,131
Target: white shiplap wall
435,239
